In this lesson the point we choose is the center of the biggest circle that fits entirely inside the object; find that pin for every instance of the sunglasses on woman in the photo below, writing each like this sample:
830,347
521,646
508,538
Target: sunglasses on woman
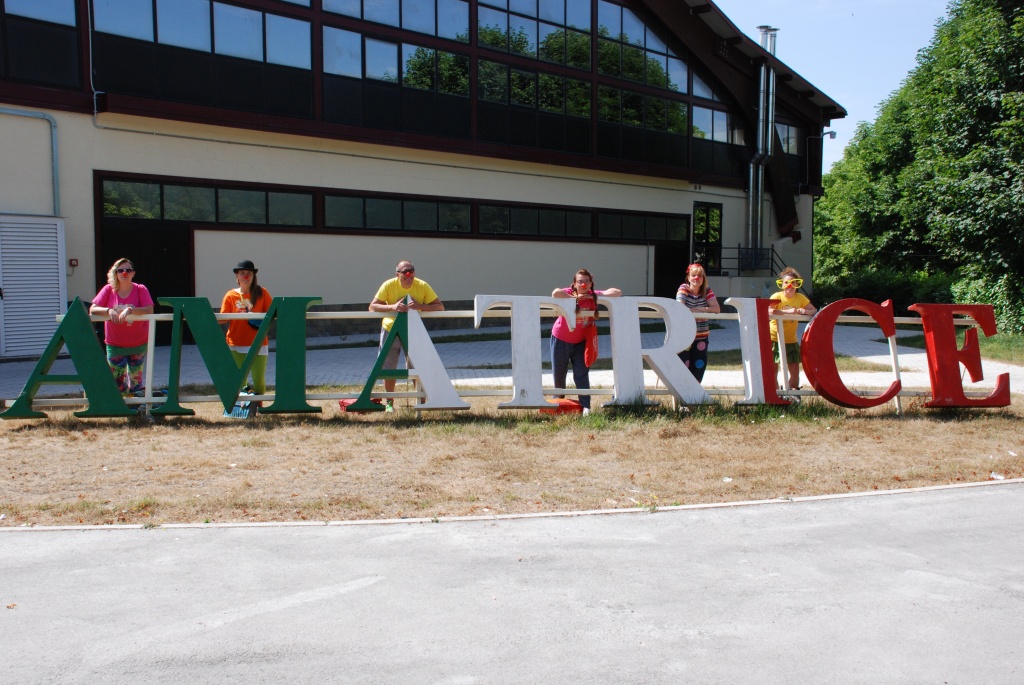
126,271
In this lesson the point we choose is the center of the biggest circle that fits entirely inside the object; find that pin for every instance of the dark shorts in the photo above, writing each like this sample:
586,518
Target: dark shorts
792,352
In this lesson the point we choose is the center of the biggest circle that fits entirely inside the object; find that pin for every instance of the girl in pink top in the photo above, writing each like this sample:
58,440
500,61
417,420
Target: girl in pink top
120,301
570,346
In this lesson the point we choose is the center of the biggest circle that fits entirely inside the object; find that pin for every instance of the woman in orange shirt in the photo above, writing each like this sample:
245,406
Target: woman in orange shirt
248,297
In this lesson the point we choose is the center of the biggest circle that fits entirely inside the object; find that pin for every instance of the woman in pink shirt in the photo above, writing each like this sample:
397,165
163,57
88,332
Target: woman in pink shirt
120,300
570,346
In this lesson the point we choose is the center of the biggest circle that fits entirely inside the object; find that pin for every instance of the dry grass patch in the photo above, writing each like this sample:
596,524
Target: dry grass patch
64,470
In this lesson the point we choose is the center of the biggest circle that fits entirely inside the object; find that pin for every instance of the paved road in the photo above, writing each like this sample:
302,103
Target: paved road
922,587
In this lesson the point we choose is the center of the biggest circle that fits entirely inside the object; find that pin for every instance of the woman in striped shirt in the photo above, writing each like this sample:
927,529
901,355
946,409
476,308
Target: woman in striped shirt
698,298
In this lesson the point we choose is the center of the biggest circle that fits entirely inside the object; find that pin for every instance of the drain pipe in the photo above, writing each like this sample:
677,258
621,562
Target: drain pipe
54,155
765,139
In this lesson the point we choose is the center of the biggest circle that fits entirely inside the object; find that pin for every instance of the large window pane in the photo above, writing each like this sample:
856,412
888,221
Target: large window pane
527,7
237,32
720,132
609,57
609,19
654,41
453,74
632,227
184,23
492,28
453,20
453,218
632,27
632,109
609,225
288,42
703,122
551,93
418,66
343,52
55,11
190,203
577,50
577,14
676,75
493,86
633,62
381,60
381,11
657,74
383,214
420,216
290,209
523,221
131,18
343,212
350,8
493,219
701,89
656,228
676,117
418,15
577,98
551,43
553,11
242,206
552,222
130,199
578,224
522,36
609,104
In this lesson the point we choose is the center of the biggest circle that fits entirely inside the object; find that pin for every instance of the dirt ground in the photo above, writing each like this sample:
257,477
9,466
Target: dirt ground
334,466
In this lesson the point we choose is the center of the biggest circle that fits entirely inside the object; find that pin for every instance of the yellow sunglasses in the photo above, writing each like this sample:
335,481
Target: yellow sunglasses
796,283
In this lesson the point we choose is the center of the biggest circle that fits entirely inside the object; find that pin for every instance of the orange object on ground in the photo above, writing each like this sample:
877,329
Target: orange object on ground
564,407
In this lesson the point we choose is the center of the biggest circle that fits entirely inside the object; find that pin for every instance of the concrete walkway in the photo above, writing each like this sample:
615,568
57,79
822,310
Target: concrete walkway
916,587
472,364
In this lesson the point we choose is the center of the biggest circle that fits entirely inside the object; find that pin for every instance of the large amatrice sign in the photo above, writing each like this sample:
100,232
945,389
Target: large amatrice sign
945,357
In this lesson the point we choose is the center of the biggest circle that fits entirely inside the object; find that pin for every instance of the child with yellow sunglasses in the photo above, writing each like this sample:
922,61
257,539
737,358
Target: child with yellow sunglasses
789,301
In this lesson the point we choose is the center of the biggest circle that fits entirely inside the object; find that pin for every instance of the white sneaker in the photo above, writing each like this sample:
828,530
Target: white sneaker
586,410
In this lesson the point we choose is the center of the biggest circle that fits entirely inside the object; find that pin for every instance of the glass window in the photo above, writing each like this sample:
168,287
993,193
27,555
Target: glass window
676,229
383,213
552,43
55,11
609,225
551,96
676,117
552,222
656,228
676,75
703,122
418,15
654,117
131,199
288,42
608,104
130,18
503,4
493,77
343,52
453,74
418,66
720,130
578,224
420,216
632,227
237,32
633,63
453,20
577,98
609,57
493,219
242,206
190,203
609,20
343,212
553,11
184,23
577,50
654,42
304,3
290,209
527,7
350,8
492,28
453,218
701,89
381,60
577,14
657,75
524,88
632,109
522,36
632,27
523,220
381,11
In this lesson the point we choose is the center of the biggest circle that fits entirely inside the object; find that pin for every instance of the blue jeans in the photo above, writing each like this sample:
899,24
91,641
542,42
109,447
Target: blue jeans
562,353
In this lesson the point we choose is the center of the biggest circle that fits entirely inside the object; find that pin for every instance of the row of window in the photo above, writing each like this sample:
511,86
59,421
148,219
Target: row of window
211,204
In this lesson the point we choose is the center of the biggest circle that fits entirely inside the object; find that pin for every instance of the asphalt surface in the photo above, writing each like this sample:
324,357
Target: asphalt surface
916,587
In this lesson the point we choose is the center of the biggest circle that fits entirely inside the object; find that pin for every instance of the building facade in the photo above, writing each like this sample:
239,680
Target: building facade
498,144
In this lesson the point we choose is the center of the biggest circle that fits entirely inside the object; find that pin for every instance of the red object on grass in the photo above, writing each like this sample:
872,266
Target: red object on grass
344,405
564,407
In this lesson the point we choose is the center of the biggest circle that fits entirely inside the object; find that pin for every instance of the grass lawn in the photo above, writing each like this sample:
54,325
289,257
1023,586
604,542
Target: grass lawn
1002,347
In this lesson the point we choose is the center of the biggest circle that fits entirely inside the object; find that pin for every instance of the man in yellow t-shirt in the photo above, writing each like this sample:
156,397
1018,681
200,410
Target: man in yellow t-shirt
400,294
789,302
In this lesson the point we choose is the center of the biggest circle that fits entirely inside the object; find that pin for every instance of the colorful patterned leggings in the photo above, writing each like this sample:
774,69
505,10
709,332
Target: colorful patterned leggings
126,364
696,358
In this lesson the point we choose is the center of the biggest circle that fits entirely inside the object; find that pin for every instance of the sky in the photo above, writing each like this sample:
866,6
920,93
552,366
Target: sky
857,53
